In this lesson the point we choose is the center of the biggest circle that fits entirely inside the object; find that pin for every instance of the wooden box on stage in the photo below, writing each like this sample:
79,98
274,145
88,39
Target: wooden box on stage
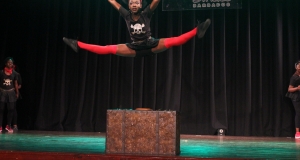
142,132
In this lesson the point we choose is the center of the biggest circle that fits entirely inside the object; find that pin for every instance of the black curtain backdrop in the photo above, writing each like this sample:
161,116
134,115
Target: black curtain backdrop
234,78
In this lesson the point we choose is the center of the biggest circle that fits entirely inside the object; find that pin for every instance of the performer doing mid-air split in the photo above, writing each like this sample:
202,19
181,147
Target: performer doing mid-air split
138,24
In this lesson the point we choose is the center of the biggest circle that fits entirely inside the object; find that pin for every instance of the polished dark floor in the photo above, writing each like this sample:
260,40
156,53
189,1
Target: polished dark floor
82,145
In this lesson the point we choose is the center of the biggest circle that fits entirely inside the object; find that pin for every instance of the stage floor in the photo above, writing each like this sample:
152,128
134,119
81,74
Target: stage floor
83,145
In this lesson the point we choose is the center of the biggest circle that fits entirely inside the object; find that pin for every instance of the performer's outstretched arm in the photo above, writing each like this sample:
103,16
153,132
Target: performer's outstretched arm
115,4
154,4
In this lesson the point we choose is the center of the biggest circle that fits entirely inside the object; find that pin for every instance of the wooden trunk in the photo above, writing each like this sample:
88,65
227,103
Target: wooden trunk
142,132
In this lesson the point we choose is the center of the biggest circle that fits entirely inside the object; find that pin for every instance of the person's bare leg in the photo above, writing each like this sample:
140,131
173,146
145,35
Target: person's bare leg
123,50
160,47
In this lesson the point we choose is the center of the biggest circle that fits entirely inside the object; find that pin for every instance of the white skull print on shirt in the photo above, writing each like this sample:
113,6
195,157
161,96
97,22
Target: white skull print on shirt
7,82
137,28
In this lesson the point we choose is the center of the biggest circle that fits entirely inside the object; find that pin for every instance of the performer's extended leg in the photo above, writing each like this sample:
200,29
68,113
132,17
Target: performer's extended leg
120,49
108,49
177,41
74,44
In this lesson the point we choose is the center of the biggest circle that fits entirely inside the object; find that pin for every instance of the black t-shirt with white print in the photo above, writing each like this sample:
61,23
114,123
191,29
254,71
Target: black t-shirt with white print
7,81
139,30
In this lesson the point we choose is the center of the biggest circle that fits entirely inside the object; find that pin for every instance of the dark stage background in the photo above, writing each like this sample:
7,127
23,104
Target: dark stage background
234,78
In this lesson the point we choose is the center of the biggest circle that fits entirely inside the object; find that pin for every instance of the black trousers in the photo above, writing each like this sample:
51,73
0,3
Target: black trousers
15,116
297,116
10,111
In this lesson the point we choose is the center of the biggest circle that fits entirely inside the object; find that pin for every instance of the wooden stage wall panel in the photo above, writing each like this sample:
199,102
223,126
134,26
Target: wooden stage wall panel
142,132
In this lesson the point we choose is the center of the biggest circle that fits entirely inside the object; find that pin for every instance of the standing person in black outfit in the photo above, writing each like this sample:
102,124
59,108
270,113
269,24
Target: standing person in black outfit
294,94
9,92
138,24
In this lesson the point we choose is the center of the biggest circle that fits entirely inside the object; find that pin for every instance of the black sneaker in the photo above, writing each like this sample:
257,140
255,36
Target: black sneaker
72,43
202,27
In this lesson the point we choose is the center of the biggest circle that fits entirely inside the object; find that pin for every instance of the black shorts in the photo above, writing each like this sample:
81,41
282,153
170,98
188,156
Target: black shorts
143,48
142,45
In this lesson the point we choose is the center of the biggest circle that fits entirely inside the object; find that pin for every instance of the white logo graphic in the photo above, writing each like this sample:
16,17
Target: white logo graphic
7,82
138,28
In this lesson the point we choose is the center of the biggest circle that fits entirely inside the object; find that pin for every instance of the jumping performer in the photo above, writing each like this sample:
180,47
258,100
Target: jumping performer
138,24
